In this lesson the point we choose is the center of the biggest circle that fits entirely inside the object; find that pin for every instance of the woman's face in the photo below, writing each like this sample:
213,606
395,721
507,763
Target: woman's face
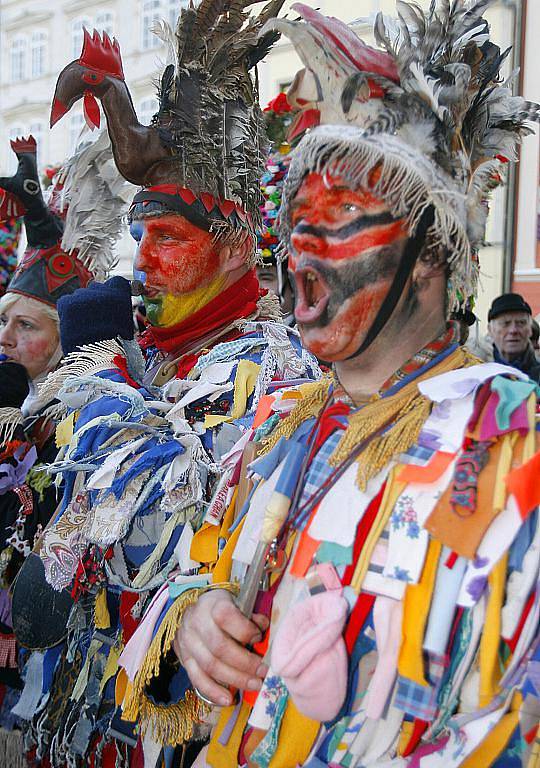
28,336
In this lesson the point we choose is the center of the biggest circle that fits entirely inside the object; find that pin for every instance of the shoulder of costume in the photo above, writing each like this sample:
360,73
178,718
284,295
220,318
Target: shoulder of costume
97,368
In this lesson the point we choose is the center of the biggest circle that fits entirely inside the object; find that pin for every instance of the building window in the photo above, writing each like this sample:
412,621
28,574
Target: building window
105,23
147,110
38,45
75,127
18,59
36,130
14,132
151,12
173,11
77,35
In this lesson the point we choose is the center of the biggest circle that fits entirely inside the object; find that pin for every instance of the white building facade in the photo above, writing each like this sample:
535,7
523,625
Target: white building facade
38,39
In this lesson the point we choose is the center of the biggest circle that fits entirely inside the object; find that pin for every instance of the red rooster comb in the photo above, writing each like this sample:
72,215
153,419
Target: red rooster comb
102,54
19,146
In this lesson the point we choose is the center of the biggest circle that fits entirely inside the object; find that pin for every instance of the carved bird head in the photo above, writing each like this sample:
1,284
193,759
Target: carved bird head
88,77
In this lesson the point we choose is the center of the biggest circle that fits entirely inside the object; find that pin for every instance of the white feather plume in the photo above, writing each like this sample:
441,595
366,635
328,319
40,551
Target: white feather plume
96,197
427,88
163,30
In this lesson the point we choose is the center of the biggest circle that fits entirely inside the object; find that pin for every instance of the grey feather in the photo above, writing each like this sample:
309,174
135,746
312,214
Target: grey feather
96,197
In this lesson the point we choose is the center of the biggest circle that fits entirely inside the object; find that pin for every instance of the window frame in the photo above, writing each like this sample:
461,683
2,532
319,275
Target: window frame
77,34
151,11
100,26
145,111
20,41
39,41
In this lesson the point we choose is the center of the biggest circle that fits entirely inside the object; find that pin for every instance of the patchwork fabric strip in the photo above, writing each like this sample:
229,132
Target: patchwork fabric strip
465,482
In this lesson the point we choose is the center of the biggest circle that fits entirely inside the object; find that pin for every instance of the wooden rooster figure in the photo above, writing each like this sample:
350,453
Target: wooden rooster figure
98,74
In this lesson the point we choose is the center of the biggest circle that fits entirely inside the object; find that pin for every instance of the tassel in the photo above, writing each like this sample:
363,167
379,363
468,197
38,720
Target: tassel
406,413
11,749
10,419
172,724
269,308
86,361
159,646
403,434
91,111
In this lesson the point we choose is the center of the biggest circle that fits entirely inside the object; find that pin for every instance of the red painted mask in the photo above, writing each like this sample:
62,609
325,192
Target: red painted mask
176,256
345,250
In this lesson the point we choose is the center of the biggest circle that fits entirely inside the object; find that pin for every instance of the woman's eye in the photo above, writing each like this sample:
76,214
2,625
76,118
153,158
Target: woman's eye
27,326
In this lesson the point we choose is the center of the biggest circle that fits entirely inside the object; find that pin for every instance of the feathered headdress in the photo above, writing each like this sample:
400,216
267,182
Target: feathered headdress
204,152
429,111
70,236
279,117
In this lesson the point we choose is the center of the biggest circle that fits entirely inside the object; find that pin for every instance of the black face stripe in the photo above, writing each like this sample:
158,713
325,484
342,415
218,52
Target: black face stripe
347,230
346,280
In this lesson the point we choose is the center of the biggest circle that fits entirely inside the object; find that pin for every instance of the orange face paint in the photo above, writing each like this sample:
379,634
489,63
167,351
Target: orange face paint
345,250
176,256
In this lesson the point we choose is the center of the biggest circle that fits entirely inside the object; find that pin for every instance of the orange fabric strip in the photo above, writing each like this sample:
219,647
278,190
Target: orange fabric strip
411,473
307,547
523,484
264,409
462,529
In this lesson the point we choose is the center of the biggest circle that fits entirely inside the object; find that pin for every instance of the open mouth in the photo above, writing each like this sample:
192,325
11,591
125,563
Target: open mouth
152,292
312,295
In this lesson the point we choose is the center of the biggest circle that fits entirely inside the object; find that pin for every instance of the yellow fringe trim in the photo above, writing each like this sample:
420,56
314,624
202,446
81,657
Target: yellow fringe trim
171,723
313,397
406,411
408,414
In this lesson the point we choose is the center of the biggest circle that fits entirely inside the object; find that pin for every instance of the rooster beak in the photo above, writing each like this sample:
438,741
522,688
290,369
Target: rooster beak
58,110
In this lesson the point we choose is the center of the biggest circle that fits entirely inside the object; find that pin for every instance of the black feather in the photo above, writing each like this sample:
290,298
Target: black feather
262,48
352,85
165,88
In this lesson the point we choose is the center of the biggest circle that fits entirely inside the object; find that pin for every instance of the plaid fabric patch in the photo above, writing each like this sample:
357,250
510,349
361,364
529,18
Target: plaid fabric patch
417,454
320,470
422,700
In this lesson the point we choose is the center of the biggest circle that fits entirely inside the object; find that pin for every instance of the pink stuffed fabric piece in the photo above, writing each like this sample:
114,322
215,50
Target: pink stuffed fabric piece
309,653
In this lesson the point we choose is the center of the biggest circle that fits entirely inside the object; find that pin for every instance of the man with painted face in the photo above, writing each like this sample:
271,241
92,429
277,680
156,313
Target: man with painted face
150,456
388,552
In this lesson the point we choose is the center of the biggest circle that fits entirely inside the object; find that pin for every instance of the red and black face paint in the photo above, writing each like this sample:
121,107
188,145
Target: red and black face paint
350,258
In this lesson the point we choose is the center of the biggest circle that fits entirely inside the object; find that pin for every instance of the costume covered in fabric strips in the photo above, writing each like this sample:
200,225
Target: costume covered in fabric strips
400,536
143,435
58,260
